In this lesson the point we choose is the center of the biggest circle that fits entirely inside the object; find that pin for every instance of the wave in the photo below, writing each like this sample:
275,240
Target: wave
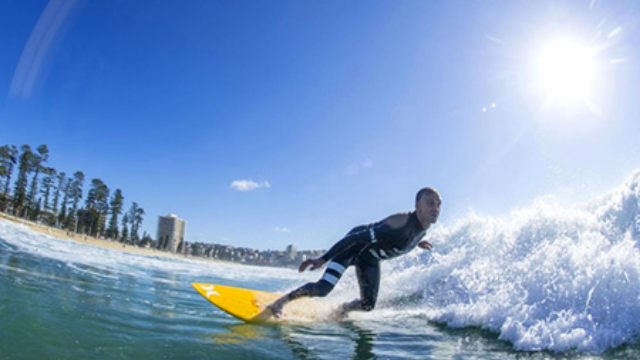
546,277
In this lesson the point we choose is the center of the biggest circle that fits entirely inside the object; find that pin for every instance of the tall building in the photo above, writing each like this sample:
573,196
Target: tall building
292,252
171,231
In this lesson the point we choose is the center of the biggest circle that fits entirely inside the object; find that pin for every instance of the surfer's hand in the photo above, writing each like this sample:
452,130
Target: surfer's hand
424,244
314,263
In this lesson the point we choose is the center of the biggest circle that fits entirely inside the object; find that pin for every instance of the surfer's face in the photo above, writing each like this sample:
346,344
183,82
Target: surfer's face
428,209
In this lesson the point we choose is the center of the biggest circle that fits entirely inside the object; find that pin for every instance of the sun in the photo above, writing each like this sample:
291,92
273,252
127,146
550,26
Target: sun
565,70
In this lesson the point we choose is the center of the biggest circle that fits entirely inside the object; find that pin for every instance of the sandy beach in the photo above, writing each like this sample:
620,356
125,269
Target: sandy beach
104,243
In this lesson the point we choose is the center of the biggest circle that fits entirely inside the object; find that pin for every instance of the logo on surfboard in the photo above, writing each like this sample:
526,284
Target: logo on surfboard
209,290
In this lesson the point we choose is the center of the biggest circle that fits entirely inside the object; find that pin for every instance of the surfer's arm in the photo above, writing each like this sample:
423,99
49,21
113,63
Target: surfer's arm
314,263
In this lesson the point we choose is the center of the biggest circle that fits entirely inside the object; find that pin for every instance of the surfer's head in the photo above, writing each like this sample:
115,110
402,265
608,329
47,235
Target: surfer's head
425,191
428,202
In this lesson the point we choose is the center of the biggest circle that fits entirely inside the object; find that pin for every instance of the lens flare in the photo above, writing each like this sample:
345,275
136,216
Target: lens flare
565,70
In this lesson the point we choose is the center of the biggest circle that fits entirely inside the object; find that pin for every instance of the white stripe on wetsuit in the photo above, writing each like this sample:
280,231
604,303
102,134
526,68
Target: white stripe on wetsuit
373,235
380,254
330,278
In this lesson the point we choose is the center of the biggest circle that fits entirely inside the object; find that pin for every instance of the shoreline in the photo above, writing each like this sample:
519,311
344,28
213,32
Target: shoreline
103,243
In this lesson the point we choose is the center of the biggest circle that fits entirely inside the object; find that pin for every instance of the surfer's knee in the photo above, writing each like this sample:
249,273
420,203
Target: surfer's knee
323,288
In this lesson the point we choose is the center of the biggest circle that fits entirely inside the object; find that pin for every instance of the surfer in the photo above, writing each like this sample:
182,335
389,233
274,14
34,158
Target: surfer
364,247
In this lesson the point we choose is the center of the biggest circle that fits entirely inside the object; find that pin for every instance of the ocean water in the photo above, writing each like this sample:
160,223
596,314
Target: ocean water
544,282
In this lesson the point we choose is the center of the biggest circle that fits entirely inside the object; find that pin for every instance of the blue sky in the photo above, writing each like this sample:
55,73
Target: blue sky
265,123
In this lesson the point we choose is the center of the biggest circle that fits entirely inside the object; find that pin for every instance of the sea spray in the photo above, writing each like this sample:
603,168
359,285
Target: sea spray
544,278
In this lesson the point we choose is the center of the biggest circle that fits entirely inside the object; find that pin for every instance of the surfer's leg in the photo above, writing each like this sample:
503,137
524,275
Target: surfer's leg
330,278
321,288
369,282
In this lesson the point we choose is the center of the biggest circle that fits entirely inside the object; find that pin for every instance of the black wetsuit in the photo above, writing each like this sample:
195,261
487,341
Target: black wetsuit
364,247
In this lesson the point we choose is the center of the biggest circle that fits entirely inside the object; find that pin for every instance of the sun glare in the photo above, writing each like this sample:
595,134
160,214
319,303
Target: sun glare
565,71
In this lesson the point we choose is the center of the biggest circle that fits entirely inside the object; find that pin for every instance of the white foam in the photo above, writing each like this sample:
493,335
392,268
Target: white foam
546,277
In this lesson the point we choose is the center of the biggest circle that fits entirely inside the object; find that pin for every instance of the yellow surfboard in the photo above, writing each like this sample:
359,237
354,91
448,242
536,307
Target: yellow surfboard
251,305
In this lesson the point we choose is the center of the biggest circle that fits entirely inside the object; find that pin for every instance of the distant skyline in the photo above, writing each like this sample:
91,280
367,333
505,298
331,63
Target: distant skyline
264,124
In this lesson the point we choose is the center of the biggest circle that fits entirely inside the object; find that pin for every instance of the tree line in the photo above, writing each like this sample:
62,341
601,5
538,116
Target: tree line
43,194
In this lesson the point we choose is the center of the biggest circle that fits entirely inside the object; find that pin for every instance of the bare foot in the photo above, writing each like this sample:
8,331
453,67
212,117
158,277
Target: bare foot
343,310
276,307
339,314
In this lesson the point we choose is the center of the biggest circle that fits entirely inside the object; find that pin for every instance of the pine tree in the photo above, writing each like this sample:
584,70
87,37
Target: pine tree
36,165
125,231
75,194
102,205
59,188
136,216
20,187
96,208
7,162
62,218
116,209
35,211
48,185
